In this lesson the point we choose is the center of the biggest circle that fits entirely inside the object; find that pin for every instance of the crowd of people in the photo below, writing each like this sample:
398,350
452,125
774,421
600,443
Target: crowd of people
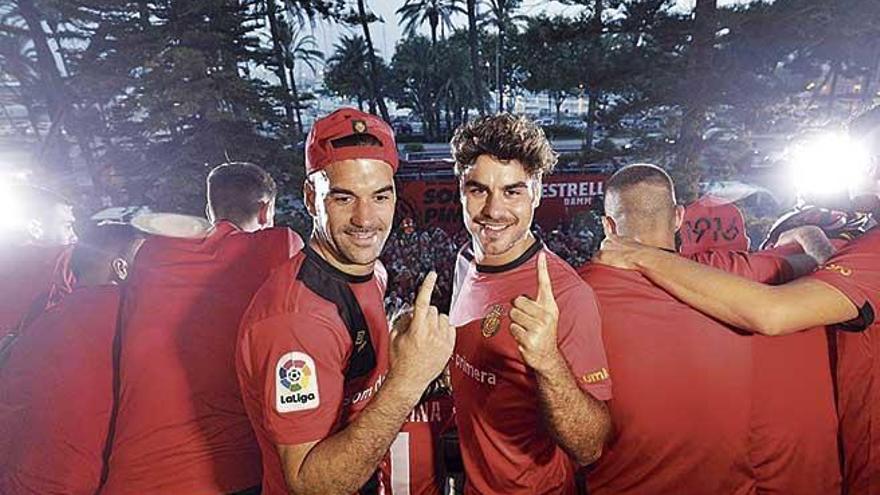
373,357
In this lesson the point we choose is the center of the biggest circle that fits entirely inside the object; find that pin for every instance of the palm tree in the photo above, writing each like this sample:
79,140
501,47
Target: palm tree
275,30
436,13
375,85
473,48
502,17
700,58
348,70
302,48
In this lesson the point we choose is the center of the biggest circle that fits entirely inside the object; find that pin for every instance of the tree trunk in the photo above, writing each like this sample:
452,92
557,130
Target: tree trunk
144,14
687,171
374,70
475,57
558,98
833,89
295,94
278,54
499,70
55,92
592,105
50,78
870,76
592,79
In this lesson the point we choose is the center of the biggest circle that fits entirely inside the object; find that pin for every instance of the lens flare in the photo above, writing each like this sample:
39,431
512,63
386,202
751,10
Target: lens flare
829,164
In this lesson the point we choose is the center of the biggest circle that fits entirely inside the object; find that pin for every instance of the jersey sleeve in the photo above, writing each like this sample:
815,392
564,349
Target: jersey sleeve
855,272
765,267
579,333
298,363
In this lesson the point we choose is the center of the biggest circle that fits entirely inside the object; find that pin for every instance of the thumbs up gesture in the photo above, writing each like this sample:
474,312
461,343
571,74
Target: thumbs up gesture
534,322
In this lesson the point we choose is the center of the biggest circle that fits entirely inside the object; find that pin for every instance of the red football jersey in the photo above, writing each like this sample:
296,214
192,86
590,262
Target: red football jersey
855,272
28,273
56,394
793,423
301,375
682,397
181,425
505,445
413,465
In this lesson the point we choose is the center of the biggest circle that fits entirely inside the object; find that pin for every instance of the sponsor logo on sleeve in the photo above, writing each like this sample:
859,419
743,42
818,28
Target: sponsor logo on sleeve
834,267
296,383
596,376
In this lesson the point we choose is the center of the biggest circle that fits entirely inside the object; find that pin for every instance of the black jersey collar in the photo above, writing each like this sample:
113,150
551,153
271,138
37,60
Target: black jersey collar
519,261
325,266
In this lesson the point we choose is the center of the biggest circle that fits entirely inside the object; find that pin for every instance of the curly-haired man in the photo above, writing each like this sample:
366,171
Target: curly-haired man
529,374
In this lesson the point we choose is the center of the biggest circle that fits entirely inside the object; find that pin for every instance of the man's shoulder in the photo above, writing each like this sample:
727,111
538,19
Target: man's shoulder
283,293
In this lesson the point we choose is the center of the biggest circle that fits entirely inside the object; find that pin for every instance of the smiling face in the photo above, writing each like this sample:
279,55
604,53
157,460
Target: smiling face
352,204
499,200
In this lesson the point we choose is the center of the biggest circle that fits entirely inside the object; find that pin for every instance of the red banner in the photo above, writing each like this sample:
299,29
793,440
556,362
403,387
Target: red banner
437,203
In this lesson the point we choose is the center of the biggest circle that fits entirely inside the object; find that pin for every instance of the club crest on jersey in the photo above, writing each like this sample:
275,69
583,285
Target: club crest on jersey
296,383
492,321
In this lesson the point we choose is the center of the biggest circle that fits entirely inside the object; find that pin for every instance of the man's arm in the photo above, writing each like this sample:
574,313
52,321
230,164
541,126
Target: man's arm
578,422
342,463
769,310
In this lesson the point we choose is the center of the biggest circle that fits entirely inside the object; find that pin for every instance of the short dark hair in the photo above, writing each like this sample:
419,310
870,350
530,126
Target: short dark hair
634,207
100,243
638,174
356,140
505,137
236,190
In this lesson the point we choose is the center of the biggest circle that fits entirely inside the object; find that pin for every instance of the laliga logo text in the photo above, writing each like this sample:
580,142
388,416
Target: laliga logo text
296,383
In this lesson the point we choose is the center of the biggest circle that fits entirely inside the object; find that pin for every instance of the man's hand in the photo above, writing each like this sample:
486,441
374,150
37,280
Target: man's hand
618,252
812,240
534,323
421,343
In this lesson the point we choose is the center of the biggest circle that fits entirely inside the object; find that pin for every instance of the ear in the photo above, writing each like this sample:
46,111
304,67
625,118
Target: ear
264,216
679,217
608,225
309,197
120,268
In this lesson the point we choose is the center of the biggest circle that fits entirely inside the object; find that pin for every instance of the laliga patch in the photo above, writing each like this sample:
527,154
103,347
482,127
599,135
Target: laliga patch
296,383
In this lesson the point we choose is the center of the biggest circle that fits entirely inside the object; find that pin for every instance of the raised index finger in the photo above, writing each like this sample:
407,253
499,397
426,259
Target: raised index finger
423,298
545,287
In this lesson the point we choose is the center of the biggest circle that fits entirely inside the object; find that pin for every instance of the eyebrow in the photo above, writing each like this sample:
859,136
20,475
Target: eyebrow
339,190
508,187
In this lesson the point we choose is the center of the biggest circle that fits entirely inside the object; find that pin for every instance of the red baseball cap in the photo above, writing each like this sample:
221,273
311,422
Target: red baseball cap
343,123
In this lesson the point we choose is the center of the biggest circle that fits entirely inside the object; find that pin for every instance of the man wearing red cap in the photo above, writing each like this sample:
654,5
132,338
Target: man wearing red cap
529,377
324,384
180,423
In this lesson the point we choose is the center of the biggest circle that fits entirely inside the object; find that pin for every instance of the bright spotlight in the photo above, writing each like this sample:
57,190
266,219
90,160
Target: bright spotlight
10,208
829,164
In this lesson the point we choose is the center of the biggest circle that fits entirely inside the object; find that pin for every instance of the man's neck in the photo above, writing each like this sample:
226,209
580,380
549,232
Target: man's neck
322,249
661,240
520,247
